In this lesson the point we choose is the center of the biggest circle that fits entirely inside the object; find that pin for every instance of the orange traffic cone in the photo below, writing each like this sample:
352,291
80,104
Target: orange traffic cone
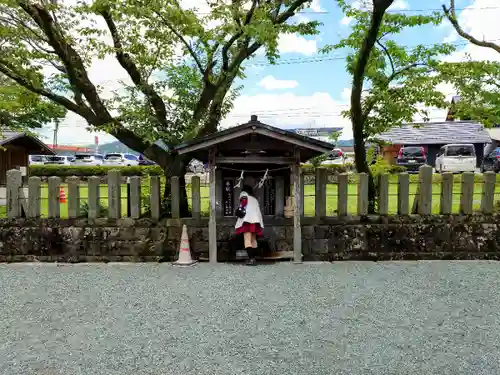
62,195
184,259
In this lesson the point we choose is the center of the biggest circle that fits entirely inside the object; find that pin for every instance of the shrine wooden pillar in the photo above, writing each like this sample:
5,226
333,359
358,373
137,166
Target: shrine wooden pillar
212,221
297,208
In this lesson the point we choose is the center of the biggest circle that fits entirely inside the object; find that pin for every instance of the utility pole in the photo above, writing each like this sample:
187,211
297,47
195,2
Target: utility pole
56,129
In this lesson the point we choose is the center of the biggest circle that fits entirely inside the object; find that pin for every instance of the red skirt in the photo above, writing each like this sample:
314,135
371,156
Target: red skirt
250,228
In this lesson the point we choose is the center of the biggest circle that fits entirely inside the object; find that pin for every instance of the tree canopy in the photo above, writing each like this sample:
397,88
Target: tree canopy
392,83
181,63
21,109
477,82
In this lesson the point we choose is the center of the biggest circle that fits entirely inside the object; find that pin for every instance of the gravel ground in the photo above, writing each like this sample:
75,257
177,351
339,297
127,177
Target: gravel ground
343,318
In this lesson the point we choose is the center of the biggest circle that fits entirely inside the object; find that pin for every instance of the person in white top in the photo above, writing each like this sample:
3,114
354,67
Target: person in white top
249,222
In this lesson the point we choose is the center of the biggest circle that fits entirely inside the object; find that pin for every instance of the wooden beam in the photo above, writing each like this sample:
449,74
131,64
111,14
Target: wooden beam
254,160
212,223
311,145
297,209
295,141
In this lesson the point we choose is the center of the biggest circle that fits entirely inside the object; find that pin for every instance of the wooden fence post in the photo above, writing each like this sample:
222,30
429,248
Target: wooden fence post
114,195
488,196
155,197
195,197
342,194
363,194
53,197
14,183
94,195
135,197
320,182
175,195
403,193
73,197
467,193
425,191
446,203
34,192
383,194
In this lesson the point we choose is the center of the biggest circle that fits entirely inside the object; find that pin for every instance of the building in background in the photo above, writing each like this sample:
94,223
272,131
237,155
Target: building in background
432,136
16,148
322,134
69,150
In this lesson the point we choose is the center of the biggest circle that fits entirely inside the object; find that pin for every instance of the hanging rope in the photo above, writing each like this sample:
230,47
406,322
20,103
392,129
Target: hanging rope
256,171
240,180
262,180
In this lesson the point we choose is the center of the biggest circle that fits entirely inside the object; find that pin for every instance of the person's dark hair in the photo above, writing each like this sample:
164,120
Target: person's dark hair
247,189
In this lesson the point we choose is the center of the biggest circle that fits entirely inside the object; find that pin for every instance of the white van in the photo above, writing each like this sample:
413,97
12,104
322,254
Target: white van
456,158
120,160
87,159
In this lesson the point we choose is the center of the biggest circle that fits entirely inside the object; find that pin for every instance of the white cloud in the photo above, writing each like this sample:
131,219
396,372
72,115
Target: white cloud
271,83
367,4
72,131
287,110
480,20
293,43
399,5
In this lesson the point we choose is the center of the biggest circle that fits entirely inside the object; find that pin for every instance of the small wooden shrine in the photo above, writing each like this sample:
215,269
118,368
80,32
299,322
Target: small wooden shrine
262,156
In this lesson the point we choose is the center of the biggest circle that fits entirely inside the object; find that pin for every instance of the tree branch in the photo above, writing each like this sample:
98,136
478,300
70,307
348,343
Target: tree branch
183,41
126,62
451,15
77,74
10,72
388,55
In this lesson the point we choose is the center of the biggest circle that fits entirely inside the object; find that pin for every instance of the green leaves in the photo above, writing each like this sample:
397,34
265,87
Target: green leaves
181,63
478,86
21,109
399,81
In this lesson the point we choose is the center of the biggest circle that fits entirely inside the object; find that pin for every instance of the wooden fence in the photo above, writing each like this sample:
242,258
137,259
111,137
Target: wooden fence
27,200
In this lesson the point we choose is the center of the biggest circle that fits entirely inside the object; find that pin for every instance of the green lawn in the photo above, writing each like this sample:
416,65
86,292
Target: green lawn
308,192
352,205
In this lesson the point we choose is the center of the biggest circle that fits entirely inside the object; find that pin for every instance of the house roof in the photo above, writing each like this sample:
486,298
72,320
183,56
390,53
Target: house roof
310,146
32,144
436,133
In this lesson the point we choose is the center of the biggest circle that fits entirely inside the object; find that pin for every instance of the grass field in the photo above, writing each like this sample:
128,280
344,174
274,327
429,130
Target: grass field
308,193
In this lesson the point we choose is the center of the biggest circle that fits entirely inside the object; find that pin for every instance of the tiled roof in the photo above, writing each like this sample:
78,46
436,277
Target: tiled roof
436,133
7,135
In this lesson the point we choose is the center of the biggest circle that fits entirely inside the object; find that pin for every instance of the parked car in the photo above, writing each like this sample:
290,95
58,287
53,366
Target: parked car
145,161
87,160
335,157
120,160
37,159
456,158
411,157
491,162
59,160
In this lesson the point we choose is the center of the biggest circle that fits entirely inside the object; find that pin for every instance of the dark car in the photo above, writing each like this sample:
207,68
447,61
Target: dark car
491,162
411,157
144,161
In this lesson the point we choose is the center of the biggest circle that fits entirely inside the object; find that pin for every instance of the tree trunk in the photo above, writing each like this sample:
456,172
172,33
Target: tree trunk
175,167
362,164
358,116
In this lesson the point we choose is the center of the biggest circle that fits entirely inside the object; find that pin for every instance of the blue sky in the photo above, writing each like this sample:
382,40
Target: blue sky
306,88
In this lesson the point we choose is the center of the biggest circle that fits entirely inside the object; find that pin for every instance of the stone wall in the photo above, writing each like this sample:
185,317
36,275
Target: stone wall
328,239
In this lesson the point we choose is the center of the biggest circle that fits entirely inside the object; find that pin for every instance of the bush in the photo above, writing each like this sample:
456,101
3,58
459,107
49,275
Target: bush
67,171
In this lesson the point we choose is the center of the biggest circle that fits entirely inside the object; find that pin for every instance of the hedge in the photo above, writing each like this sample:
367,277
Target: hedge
67,171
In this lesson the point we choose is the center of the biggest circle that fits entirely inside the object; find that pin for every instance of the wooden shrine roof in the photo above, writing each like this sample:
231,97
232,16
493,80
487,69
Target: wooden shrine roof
258,138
